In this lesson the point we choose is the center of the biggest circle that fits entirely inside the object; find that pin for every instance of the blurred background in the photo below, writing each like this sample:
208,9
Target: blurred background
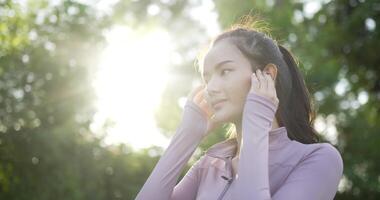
91,91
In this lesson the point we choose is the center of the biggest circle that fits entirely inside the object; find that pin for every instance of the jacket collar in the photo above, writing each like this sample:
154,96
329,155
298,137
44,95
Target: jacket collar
227,148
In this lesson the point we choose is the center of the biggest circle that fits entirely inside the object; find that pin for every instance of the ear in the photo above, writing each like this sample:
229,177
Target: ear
272,70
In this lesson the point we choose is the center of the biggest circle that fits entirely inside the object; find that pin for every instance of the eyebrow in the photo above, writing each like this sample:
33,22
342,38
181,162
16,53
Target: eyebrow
219,65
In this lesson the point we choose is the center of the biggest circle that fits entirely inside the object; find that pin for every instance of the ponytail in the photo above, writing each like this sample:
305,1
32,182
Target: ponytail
298,114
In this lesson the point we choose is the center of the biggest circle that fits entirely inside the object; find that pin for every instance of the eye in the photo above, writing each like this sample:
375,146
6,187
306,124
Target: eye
225,70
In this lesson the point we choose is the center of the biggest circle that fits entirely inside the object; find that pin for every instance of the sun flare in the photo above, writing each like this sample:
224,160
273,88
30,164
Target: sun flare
131,78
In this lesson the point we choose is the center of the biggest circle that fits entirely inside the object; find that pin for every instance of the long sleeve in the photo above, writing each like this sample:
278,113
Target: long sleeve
316,177
253,178
160,185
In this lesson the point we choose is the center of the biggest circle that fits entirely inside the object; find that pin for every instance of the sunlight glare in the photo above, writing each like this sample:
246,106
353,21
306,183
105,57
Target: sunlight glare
130,80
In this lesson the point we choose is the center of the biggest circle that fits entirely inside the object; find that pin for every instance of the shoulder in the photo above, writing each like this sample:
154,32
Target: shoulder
323,155
321,151
324,150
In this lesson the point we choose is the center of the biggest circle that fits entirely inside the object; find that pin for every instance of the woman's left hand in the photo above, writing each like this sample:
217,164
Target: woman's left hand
263,85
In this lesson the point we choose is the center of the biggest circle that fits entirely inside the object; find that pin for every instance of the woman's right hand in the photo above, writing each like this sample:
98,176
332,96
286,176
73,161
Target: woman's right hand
198,96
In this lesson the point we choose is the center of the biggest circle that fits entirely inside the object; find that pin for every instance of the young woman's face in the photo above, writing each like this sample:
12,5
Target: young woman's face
227,75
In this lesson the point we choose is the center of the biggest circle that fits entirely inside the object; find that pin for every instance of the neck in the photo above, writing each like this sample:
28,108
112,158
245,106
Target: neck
239,135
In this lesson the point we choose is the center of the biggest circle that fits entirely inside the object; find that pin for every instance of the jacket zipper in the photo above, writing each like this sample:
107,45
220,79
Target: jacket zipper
225,187
229,168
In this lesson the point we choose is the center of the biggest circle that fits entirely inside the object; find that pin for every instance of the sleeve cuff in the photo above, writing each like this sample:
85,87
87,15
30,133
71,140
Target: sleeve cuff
262,100
191,105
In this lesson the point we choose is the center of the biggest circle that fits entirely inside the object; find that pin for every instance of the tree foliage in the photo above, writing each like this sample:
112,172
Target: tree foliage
47,57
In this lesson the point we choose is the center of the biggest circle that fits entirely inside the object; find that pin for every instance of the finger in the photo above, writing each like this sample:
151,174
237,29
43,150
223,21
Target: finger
268,79
206,96
195,91
272,88
260,76
198,97
265,79
255,82
204,106
270,76
271,85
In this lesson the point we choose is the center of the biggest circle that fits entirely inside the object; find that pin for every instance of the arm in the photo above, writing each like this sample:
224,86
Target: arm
253,177
315,178
161,182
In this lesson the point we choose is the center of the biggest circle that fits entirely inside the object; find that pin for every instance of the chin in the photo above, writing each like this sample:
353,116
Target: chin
222,117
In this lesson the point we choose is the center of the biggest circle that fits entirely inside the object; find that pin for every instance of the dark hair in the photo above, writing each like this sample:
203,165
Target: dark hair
296,110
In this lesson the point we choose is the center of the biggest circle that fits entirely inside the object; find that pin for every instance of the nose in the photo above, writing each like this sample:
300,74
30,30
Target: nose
213,87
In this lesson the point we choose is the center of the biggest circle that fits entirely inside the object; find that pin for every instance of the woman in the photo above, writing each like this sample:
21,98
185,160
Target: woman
255,84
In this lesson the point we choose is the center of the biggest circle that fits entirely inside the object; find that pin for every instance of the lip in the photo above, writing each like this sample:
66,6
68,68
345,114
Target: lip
218,103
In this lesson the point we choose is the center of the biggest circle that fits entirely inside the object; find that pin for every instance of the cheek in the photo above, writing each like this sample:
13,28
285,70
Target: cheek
239,90
247,84
237,95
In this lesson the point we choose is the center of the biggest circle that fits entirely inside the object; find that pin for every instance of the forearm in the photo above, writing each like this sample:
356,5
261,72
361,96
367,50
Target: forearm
164,176
253,175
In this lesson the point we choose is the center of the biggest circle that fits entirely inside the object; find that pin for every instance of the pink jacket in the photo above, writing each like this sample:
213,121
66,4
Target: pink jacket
271,166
